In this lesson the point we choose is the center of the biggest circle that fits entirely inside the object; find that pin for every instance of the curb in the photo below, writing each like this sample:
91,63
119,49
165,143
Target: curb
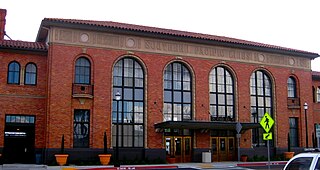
261,163
133,167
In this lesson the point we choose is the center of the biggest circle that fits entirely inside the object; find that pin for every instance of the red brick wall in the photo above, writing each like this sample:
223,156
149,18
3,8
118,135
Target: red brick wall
316,105
61,104
24,99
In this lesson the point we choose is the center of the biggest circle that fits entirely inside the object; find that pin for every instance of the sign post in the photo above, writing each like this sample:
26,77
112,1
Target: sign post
267,123
238,129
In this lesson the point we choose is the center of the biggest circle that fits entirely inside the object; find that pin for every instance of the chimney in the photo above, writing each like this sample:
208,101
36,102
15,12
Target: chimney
3,14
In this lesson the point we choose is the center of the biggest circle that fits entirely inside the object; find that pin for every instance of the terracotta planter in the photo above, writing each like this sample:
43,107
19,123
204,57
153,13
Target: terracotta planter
171,160
104,158
61,159
243,158
288,155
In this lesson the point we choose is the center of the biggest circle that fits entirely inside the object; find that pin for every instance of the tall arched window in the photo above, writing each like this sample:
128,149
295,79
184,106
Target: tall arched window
30,77
261,102
128,81
292,88
221,95
13,73
177,93
82,71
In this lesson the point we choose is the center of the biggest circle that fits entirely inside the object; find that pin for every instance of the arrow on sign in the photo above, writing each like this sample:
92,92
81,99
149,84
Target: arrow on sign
267,136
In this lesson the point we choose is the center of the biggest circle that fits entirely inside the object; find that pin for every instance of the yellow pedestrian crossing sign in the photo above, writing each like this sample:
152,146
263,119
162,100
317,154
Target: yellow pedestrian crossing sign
267,136
266,122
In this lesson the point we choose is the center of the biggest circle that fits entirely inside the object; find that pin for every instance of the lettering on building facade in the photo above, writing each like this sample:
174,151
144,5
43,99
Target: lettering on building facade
142,44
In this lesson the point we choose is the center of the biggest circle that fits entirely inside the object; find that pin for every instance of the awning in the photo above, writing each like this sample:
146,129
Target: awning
205,125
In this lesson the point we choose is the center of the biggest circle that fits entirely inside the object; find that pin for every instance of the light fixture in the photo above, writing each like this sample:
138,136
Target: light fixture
118,96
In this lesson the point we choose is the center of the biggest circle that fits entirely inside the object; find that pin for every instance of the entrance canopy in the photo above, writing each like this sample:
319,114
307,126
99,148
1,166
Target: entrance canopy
204,125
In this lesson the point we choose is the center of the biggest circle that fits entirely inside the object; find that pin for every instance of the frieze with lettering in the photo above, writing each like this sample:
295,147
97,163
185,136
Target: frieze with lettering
125,42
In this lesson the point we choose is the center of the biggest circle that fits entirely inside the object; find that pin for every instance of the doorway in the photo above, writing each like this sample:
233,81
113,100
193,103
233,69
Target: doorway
19,139
222,148
179,148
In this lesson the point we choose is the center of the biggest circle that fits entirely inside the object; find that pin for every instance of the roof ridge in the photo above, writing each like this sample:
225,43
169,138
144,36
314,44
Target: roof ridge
19,44
144,26
173,32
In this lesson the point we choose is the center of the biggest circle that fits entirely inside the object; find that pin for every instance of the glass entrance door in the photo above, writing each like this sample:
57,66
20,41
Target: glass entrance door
222,148
19,139
187,149
19,144
231,149
223,152
179,148
214,149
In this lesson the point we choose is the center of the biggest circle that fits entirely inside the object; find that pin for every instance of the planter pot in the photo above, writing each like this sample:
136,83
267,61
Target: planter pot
61,159
171,160
104,158
288,155
243,158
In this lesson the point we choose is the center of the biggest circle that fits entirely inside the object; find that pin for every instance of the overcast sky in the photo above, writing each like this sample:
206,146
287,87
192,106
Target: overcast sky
288,23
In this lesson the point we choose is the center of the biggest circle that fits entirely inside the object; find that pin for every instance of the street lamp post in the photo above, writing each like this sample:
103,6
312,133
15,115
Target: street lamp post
305,106
117,163
255,130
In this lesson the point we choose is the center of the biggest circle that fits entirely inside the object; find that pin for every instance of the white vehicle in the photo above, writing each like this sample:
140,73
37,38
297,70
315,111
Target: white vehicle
304,161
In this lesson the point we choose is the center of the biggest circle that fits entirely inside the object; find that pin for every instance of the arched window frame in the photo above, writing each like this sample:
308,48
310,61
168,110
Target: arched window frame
261,99
177,81
222,97
82,73
13,76
318,94
128,80
30,74
292,87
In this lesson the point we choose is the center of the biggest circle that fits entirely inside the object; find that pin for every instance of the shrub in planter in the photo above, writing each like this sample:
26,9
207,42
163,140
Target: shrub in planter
171,159
61,157
105,157
243,158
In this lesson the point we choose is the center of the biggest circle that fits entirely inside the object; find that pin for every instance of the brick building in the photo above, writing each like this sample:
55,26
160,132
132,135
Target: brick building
180,93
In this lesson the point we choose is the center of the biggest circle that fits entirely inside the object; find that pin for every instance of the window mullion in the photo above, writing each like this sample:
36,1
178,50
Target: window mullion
181,91
122,103
217,94
257,108
264,94
225,94
172,92
133,102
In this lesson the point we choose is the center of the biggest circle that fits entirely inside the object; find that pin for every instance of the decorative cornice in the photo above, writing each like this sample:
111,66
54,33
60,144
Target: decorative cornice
160,46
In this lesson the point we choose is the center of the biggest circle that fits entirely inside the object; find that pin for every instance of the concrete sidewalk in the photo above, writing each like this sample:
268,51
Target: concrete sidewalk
211,165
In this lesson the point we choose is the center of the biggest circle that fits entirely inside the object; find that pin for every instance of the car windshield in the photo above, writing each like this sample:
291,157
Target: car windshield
318,164
302,163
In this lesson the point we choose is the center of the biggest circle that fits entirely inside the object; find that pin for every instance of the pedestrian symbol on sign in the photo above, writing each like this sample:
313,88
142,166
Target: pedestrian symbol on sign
267,122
